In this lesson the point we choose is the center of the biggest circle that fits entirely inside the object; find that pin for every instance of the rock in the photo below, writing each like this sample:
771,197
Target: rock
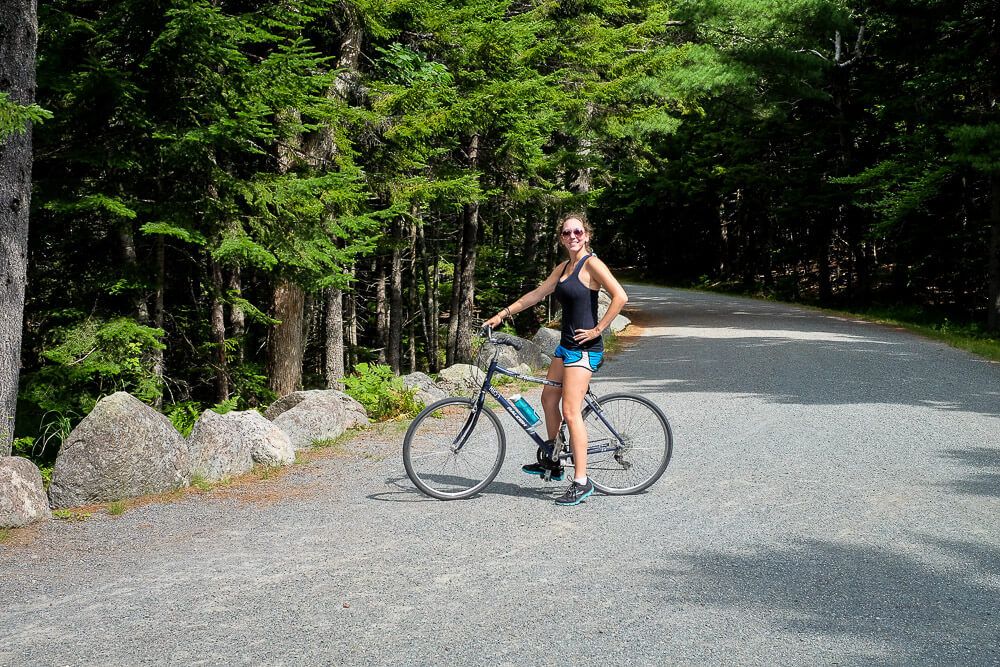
427,391
507,356
461,378
523,369
603,301
271,446
534,355
22,493
288,402
318,414
530,353
547,339
619,323
226,445
122,449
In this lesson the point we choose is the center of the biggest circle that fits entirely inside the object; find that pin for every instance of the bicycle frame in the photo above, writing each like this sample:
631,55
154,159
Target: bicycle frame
488,388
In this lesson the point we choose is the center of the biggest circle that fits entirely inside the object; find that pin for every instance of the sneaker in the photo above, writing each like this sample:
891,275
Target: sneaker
540,468
576,493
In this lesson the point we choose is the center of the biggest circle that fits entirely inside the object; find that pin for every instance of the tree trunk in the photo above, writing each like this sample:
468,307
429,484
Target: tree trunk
533,243
413,303
993,317
463,342
395,341
352,328
724,251
237,318
581,182
381,312
131,258
431,308
217,322
18,38
321,146
321,149
456,299
285,345
158,314
465,276
334,338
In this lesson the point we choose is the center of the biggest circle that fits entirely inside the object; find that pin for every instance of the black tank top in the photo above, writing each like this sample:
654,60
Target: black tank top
579,309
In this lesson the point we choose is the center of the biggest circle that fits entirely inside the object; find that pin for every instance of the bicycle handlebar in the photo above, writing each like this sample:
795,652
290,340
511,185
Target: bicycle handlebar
500,338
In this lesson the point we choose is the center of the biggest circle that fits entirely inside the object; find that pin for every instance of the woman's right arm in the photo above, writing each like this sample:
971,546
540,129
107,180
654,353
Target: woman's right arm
528,300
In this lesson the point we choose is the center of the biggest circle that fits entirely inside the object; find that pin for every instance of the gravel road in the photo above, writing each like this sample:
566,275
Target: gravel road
834,498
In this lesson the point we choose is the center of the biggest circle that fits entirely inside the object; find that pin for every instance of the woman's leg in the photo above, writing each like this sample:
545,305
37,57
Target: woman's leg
551,397
575,383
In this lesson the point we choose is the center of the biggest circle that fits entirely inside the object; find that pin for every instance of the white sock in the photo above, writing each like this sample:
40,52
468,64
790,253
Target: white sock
580,480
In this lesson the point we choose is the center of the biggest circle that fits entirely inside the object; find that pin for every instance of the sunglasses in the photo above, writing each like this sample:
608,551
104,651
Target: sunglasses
566,233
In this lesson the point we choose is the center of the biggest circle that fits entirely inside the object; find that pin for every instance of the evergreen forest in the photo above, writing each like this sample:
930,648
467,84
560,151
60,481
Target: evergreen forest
234,199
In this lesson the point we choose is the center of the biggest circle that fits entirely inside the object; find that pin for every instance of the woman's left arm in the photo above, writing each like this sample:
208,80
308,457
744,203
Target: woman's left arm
601,274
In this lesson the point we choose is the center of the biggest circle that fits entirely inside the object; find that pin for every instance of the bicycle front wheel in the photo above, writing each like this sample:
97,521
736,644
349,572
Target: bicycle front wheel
629,443
451,452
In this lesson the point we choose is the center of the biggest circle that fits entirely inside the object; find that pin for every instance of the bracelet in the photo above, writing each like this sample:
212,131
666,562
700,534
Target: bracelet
509,313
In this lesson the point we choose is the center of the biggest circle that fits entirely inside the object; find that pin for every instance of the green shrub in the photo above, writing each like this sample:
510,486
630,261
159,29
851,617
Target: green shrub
183,415
228,405
381,392
84,362
250,385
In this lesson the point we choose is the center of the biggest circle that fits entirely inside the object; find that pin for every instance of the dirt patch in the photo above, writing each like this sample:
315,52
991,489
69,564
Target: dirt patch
17,538
631,334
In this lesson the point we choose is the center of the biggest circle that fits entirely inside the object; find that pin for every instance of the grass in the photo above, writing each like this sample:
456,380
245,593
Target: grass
4,534
199,482
336,444
966,337
612,343
70,516
117,508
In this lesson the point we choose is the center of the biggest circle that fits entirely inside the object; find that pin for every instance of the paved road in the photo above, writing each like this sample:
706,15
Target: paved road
834,498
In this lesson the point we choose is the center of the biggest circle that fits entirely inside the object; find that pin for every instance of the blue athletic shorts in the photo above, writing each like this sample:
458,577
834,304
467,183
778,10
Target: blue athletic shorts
591,360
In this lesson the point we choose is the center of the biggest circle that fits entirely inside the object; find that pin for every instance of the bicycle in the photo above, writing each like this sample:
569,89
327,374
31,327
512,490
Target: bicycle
452,452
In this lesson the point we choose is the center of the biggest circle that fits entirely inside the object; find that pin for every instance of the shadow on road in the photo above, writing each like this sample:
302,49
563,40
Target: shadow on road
410,494
896,609
712,343
983,483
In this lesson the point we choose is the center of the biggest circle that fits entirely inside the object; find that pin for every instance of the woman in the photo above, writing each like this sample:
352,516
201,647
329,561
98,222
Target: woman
575,284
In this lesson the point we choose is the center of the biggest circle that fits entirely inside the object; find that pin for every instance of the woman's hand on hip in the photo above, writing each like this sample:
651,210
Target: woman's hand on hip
585,335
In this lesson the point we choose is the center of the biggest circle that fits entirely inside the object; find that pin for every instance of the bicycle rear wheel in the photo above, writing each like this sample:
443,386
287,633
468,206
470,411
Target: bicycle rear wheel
450,452
632,449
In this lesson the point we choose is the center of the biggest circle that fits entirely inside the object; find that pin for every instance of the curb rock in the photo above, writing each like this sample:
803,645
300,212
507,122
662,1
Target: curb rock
226,445
122,449
317,414
22,493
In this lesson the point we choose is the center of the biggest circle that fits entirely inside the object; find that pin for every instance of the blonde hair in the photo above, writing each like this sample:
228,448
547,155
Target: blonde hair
582,217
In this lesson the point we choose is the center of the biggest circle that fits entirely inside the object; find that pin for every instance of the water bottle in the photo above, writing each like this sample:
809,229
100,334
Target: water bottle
526,410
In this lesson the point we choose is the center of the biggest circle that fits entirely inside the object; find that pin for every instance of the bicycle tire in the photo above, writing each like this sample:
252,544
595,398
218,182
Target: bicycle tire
444,474
631,468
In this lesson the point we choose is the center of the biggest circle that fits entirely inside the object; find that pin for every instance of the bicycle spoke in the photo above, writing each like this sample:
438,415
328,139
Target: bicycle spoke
643,451
435,467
